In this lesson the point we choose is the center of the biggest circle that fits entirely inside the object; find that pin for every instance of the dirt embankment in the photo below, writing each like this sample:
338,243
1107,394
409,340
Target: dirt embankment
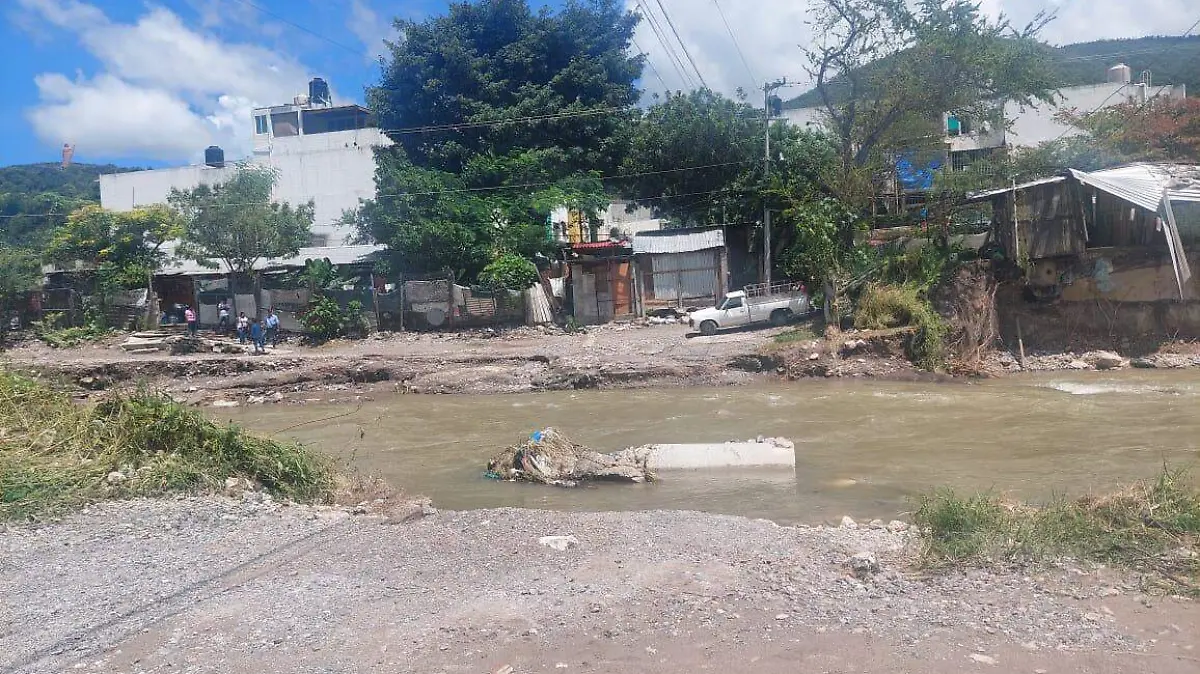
228,585
607,357
614,356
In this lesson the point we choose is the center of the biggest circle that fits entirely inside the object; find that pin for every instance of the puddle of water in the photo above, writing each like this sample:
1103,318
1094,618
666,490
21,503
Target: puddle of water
863,448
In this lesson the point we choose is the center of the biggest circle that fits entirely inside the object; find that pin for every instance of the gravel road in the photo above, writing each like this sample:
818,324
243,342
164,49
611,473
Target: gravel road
227,585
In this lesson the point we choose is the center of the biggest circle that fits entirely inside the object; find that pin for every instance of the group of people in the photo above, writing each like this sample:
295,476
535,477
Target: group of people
258,332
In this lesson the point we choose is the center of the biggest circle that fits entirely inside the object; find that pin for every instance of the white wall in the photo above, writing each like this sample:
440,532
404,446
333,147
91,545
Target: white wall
1035,125
334,170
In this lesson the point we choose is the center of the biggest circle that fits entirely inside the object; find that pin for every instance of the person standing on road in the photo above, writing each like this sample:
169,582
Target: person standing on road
243,327
189,316
257,335
272,323
223,317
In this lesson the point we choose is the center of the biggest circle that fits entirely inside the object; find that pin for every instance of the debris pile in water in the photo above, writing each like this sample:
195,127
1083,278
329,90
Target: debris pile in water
549,457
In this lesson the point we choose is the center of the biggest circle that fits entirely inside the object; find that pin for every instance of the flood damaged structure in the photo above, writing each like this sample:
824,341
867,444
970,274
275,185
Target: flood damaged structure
1102,254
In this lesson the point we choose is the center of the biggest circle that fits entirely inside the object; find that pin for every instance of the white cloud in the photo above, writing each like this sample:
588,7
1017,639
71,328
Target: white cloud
771,33
200,88
111,117
372,31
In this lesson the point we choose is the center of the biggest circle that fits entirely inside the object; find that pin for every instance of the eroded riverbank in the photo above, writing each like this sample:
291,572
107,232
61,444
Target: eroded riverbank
611,357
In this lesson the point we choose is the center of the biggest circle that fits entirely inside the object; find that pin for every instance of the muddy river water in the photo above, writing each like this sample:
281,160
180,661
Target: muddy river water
863,448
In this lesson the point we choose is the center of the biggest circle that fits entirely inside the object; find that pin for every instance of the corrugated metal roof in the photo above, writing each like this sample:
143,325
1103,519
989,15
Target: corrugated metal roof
598,245
338,255
1145,184
677,241
984,196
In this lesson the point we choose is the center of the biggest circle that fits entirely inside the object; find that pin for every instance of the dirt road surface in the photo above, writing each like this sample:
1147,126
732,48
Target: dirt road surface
224,585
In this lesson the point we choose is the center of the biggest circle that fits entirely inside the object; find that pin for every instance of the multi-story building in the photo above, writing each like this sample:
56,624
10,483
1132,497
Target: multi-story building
320,151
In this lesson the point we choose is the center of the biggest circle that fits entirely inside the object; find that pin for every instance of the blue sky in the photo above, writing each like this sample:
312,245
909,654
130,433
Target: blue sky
152,82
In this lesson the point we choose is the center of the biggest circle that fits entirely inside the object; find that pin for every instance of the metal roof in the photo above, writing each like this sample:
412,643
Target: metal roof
677,241
984,196
1146,184
338,255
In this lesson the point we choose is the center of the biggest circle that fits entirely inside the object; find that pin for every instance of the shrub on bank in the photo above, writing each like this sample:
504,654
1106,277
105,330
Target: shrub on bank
1151,527
893,306
56,455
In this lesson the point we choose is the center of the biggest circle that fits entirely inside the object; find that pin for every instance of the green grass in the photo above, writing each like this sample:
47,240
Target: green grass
56,455
807,332
1152,527
65,338
893,306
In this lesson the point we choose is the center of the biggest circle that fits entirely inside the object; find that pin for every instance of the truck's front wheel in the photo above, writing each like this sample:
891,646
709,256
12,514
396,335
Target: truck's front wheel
780,317
708,328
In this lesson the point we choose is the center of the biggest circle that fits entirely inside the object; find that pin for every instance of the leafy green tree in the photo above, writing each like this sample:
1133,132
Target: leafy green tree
887,70
511,272
131,241
20,272
462,184
237,223
125,248
699,158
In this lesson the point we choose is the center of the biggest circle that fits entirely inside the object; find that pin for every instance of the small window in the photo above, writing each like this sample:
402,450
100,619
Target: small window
285,124
260,125
733,303
318,240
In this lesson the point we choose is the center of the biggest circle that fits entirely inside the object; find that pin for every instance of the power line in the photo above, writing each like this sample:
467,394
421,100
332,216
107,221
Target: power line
293,24
651,64
1189,30
464,190
688,54
737,46
498,122
672,54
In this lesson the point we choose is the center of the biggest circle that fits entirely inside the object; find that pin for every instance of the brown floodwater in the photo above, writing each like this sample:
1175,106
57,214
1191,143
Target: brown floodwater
863,448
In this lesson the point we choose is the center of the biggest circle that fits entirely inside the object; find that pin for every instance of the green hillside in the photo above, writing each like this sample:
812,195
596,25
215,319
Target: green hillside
1171,60
35,198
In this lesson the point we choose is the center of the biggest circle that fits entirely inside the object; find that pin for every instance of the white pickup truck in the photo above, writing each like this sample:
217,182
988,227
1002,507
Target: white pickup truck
758,303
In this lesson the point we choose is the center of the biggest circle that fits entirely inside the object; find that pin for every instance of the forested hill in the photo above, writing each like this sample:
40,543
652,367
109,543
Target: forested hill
34,198
1170,60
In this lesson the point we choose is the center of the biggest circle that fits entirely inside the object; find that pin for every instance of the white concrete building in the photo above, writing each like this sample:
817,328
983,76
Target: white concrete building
320,152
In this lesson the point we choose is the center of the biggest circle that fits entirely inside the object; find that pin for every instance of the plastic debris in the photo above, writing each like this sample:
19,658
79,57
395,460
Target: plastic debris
549,457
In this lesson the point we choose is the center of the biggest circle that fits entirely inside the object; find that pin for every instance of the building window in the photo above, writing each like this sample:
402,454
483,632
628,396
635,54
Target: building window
260,125
285,124
318,240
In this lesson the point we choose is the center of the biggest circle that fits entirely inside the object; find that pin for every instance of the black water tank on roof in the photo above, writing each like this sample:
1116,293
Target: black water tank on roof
214,156
318,91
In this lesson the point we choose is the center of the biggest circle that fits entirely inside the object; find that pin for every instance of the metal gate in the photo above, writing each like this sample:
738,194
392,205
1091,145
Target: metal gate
682,279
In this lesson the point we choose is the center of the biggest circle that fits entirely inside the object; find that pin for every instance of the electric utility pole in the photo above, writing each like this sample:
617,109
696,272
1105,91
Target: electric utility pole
772,107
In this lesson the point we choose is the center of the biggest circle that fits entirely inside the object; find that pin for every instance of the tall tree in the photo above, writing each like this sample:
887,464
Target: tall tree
499,113
886,71
237,223
697,158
